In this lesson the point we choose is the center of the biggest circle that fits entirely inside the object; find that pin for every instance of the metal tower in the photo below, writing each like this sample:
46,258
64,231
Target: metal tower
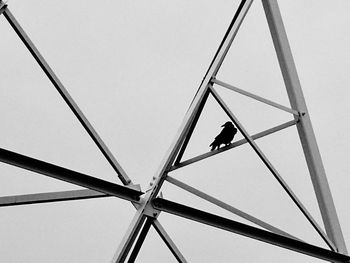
150,204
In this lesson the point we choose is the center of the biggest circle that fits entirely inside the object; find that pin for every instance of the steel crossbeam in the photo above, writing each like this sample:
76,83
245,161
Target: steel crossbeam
70,176
49,197
228,207
248,231
232,145
256,97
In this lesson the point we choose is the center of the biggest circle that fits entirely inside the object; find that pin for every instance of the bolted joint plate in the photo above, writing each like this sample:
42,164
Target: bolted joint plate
150,211
2,7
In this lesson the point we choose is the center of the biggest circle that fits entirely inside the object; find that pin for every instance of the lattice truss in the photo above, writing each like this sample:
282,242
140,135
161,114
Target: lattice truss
150,204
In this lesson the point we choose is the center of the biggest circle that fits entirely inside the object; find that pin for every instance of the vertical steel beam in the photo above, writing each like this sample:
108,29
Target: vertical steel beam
129,237
141,238
66,96
306,133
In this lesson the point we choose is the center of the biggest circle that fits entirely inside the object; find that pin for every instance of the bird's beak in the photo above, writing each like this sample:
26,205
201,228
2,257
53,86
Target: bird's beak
223,125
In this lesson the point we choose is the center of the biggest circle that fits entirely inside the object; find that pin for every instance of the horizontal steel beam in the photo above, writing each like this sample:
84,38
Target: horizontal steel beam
50,197
233,145
69,176
256,97
248,231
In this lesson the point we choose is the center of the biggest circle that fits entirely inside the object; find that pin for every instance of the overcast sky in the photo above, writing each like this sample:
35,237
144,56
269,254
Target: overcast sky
133,68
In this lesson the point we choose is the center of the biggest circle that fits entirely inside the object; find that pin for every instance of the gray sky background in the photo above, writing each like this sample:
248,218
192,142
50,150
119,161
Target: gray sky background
133,67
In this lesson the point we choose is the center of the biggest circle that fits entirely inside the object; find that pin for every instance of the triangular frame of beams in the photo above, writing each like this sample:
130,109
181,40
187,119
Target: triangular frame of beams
149,205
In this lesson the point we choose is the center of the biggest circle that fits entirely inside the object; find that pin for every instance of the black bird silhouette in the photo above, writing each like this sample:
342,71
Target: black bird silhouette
225,136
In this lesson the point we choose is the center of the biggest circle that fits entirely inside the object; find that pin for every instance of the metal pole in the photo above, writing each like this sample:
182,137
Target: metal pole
306,133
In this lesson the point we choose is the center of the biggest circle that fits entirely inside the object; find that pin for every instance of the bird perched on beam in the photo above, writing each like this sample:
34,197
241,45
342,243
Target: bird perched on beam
225,136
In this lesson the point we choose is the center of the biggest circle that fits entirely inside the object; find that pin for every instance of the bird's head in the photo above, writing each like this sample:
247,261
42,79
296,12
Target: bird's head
228,123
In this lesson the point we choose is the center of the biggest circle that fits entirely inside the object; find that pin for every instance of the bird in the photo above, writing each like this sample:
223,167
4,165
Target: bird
225,136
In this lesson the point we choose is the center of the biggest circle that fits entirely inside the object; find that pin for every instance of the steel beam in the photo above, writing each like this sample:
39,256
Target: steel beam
306,133
230,35
166,238
232,145
273,171
50,197
225,43
256,97
66,96
140,240
248,231
228,207
171,154
191,129
69,176
129,237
